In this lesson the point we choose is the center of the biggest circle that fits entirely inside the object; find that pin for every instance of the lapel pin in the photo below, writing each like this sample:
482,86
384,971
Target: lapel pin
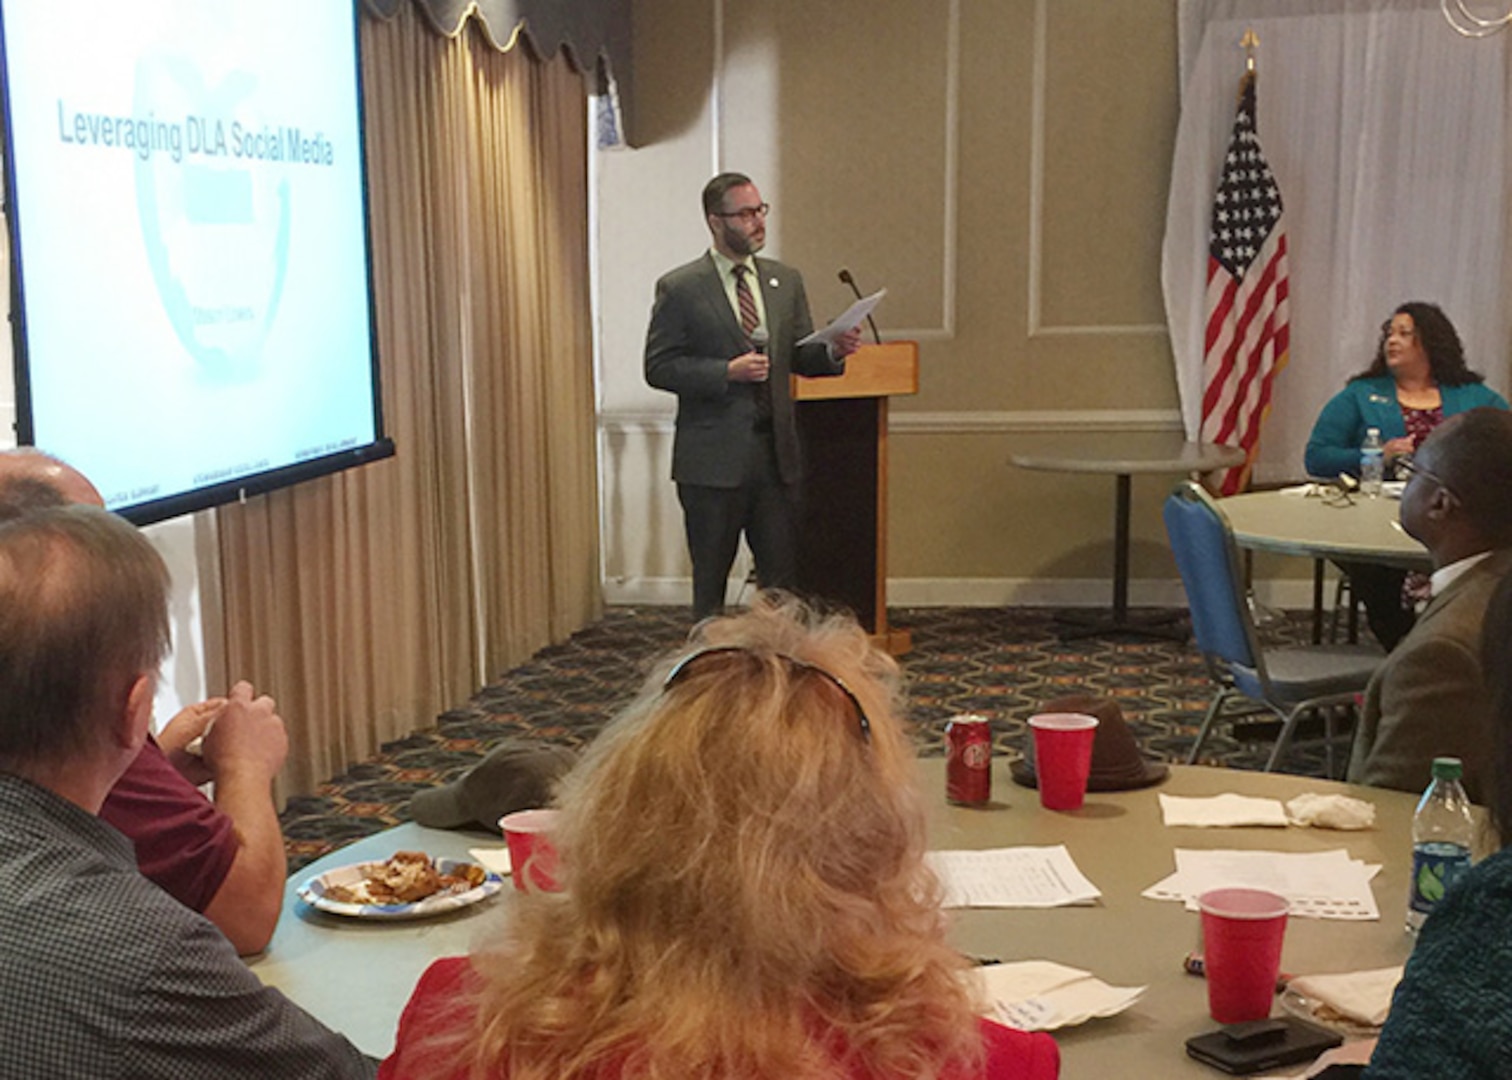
772,282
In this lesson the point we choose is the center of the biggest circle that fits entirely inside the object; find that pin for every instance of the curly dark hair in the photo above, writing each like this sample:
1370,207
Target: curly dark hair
1440,340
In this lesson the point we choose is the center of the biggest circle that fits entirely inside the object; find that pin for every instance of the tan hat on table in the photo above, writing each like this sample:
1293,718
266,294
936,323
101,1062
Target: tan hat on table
1117,763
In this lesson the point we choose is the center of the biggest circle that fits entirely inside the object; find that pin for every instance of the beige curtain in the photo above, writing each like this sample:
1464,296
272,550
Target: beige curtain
369,601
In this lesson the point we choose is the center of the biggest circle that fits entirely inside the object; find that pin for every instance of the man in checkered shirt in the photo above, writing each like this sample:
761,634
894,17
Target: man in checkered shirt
102,974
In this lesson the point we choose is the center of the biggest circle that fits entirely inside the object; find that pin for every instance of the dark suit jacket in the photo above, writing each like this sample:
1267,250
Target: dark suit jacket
694,334
1429,698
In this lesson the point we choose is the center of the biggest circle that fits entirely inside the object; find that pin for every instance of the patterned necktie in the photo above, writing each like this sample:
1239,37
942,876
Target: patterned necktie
749,319
745,299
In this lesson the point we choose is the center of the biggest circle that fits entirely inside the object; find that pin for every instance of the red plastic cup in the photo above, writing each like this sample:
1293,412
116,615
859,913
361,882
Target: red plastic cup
1242,930
531,854
1062,757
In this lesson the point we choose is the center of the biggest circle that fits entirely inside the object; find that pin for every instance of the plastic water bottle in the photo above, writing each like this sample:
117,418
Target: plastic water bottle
1372,463
1442,830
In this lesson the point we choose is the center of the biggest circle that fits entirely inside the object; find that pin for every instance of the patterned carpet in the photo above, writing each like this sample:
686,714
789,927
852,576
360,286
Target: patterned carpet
998,662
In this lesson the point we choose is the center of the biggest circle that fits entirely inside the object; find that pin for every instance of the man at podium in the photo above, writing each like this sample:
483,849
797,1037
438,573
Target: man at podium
723,338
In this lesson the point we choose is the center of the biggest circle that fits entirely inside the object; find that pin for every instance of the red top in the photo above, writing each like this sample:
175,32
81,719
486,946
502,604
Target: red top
1009,1054
183,843
1420,422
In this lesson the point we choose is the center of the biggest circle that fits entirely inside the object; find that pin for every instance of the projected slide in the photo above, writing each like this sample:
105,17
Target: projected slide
190,237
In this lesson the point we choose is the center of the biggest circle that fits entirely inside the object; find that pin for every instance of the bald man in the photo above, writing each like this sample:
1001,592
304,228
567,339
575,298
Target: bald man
1430,699
104,975
224,859
28,477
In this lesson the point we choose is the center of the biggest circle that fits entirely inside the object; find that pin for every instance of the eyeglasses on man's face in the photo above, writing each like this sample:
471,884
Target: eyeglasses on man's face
746,214
1409,468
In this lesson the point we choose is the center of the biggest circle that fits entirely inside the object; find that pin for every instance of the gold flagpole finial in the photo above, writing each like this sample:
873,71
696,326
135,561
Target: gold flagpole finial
1249,43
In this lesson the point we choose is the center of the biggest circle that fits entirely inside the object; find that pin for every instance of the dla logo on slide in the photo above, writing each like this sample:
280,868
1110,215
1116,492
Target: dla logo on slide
215,224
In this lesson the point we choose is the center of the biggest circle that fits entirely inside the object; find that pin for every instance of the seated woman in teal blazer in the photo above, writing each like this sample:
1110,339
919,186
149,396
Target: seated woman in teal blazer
1418,378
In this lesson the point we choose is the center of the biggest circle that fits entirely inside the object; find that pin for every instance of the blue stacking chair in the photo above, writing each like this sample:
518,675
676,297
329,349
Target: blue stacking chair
1287,682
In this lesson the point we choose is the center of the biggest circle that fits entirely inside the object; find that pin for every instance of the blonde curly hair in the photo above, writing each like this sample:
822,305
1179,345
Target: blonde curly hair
745,889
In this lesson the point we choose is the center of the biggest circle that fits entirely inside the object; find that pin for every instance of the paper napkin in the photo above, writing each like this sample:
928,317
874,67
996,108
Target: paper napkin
1222,810
1362,996
1331,812
491,858
1039,995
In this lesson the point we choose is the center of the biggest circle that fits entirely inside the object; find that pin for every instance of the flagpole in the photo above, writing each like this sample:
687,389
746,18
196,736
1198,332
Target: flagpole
1249,43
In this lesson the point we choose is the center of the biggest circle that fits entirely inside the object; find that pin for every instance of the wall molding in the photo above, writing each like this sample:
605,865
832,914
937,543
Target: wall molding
949,258
1037,326
951,423
1288,593
950,125
1033,421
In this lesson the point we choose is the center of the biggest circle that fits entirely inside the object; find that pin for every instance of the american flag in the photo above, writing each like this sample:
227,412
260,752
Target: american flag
1248,323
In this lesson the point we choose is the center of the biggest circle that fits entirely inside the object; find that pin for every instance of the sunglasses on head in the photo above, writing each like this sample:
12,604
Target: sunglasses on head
794,665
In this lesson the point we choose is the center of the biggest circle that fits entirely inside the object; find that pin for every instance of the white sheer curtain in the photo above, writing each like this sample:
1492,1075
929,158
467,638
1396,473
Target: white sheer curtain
1387,134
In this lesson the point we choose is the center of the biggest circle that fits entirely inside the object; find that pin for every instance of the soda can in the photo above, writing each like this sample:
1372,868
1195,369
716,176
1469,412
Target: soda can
968,769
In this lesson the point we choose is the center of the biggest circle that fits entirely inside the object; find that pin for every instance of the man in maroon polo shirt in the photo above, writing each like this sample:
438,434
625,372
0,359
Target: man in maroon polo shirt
224,859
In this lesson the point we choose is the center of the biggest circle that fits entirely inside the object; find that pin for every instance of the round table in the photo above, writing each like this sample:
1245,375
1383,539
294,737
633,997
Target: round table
356,976
1119,842
1354,528
1361,529
1122,455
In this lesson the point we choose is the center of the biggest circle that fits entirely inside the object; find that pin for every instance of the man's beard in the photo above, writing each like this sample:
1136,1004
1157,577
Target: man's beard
740,243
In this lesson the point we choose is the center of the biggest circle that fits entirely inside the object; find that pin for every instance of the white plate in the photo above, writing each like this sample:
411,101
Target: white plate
313,892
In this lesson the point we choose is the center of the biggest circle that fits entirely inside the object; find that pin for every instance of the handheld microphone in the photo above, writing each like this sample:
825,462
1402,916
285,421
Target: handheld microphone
759,338
845,276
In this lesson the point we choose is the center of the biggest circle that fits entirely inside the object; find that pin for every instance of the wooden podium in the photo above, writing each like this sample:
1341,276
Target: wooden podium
842,535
